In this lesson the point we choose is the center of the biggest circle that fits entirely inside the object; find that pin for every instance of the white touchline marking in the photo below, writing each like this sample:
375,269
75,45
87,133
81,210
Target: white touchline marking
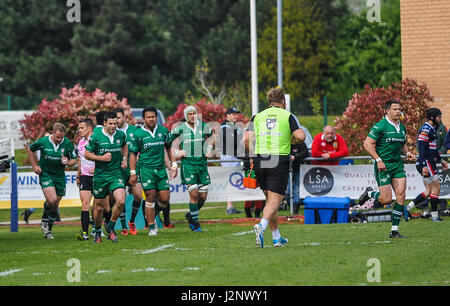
155,250
103,271
376,242
9,272
41,273
148,269
192,269
53,251
310,243
242,233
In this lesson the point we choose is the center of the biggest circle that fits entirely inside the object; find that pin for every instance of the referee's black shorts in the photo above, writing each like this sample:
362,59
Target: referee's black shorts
272,172
86,183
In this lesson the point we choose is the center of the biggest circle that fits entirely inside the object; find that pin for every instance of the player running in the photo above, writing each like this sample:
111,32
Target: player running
385,144
108,148
56,152
426,164
150,143
194,135
136,189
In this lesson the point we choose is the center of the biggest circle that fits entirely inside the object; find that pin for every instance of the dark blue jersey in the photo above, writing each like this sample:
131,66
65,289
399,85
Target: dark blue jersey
426,142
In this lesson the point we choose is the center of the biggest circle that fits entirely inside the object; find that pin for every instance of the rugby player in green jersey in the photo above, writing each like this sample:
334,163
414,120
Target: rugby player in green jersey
99,120
150,143
386,143
56,153
194,135
136,189
107,209
108,148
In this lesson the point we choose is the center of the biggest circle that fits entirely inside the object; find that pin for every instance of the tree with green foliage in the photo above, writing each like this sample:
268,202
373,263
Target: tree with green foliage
34,41
367,53
308,30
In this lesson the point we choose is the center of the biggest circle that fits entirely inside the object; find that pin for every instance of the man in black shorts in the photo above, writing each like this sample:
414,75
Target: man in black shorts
272,131
84,175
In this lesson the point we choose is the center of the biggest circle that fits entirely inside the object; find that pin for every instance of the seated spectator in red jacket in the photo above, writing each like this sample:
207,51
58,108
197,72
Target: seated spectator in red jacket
328,145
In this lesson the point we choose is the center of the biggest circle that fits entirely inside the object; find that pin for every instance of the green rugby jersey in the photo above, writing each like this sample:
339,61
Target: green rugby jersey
192,140
100,144
150,146
50,160
389,139
97,128
130,132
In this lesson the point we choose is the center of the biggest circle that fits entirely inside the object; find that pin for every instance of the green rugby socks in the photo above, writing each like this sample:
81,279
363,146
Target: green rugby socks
122,218
45,213
111,226
374,195
135,209
193,208
52,214
98,230
397,213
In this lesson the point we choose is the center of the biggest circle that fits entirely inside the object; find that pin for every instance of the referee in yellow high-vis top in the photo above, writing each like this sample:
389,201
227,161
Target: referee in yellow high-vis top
269,136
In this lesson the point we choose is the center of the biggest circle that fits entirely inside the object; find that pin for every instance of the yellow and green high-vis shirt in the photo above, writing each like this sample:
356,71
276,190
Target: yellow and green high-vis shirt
273,129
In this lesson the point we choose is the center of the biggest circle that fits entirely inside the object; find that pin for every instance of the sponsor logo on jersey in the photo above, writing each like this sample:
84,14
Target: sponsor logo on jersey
271,123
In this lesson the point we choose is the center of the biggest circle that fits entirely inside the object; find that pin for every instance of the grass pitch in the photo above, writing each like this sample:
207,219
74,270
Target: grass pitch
224,254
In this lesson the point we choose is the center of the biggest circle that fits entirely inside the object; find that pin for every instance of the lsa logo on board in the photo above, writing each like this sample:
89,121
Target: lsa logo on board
444,180
318,181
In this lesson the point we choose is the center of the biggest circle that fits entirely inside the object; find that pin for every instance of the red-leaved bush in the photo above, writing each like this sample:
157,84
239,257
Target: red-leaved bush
69,108
210,113
366,108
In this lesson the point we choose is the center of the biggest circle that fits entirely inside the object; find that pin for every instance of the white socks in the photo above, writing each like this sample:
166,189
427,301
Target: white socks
276,234
264,223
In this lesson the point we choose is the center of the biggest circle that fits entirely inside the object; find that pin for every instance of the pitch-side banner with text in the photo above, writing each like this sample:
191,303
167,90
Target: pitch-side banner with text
226,185
351,181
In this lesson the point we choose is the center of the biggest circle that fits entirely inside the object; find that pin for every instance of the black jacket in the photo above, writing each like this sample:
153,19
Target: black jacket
300,151
230,139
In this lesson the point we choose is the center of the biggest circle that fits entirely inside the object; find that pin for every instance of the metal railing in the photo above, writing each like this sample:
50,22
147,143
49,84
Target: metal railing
213,161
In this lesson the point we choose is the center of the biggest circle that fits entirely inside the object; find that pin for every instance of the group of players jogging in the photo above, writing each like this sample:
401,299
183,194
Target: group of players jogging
115,155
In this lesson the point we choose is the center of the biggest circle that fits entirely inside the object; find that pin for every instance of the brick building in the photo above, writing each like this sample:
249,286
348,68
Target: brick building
425,35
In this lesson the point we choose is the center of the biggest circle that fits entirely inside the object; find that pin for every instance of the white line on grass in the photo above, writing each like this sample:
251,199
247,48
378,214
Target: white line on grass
182,249
155,250
54,251
242,233
41,273
376,242
192,269
104,271
148,269
310,243
9,272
